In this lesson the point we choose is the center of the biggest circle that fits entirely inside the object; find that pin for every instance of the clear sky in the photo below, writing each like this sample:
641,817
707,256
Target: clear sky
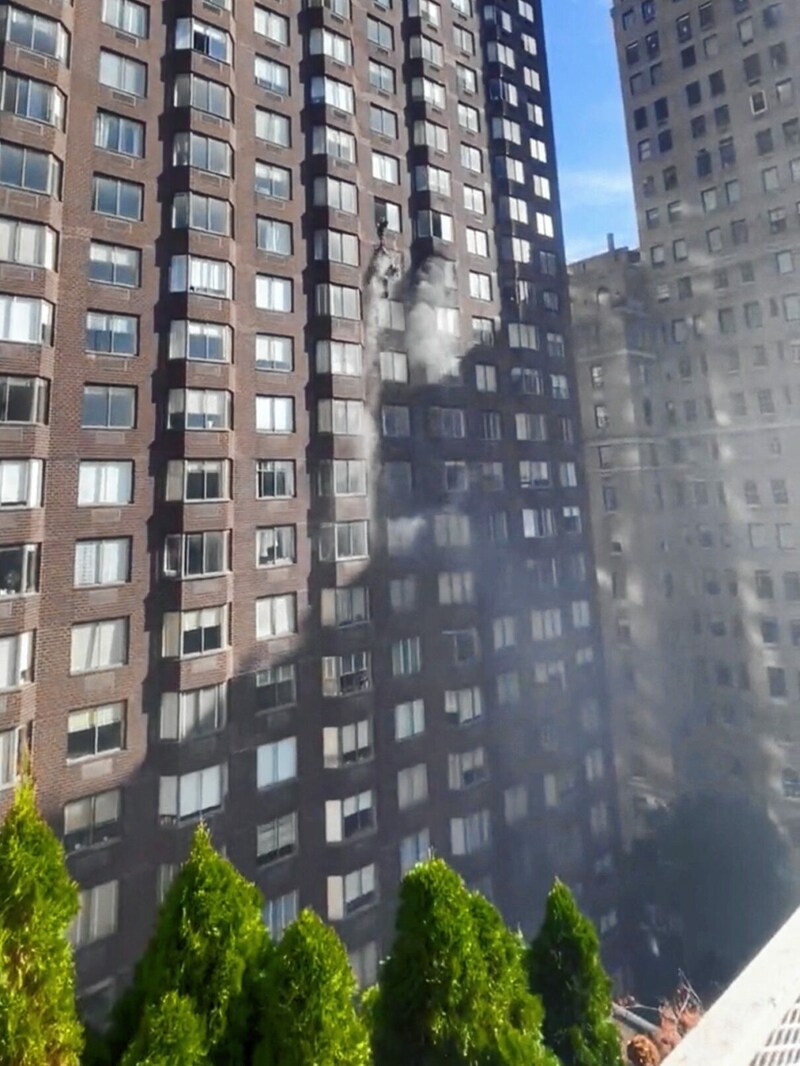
596,193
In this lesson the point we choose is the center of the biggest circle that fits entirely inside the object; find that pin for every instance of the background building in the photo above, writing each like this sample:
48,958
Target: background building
293,526
714,131
617,345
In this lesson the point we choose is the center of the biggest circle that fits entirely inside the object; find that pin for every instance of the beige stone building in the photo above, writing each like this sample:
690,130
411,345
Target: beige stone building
690,380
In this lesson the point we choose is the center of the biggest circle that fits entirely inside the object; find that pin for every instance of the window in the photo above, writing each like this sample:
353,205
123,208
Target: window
276,616
21,482
464,705
279,913
126,15
338,301
466,768
35,32
409,719
200,409
412,786
342,417
108,407
332,93
196,480
342,477
102,562
272,76
345,606
275,479
351,893
92,820
271,25
276,839
403,593
272,180
111,264
471,158
187,633
349,817
339,357
474,200
108,334
325,42
99,645
347,745
105,483
381,77
382,122
16,660
204,153
470,834
426,48
336,246
10,752
195,713
200,37
274,414
394,366
97,916
343,675
26,168
414,849
406,657
273,128
276,687
23,401
343,540
201,277
202,94
274,293
462,645
379,33
480,286
31,99
340,195
276,762
385,168
191,795
504,632
275,546
19,569
209,214
196,554
122,73
447,422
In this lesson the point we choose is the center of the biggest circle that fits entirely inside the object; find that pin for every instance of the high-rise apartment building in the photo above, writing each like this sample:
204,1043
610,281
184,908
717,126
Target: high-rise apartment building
293,525
617,343
713,118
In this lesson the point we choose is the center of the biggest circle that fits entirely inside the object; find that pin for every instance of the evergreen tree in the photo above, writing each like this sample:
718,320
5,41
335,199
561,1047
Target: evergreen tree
564,968
517,1013
452,991
38,1021
210,945
170,1035
309,1013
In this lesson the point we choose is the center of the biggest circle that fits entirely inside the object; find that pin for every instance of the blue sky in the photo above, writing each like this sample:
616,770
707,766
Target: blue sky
596,193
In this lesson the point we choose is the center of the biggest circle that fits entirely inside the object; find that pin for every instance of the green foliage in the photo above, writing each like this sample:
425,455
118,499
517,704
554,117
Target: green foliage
170,1035
564,968
38,1021
209,945
452,992
516,1013
309,1014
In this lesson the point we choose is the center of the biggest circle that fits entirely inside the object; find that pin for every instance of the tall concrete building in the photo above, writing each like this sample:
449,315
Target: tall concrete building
292,515
617,343
708,400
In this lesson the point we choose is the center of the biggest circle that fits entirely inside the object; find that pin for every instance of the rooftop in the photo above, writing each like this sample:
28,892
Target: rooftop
756,1022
